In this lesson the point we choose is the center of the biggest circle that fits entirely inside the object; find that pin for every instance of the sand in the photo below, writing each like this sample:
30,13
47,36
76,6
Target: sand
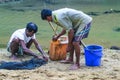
54,70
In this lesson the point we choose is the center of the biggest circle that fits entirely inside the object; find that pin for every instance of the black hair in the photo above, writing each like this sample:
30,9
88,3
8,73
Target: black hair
45,13
31,27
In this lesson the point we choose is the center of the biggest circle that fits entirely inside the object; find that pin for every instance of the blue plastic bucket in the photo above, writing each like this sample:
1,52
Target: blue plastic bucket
93,55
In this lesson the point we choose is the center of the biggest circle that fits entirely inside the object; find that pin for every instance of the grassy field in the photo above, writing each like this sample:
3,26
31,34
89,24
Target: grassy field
15,16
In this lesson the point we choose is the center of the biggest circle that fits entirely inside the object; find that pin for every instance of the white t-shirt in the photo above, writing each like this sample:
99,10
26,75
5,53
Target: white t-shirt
20,34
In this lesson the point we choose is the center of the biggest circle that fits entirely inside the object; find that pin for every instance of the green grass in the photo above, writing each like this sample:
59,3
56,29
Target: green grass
101,31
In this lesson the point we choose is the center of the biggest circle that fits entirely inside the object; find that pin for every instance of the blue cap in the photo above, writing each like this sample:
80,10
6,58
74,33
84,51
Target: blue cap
45,13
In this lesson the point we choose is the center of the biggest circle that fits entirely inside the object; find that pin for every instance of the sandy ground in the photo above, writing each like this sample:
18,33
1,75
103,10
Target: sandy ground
54,70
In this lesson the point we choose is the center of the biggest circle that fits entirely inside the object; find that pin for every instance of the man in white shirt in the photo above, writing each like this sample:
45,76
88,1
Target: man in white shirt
21,41
76,23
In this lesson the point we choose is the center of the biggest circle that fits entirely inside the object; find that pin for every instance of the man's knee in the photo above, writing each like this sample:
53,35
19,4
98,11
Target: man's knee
15,40
14,45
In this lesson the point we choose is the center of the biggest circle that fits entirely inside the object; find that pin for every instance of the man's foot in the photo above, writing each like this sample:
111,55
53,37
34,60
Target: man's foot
74,67
66,61
13,57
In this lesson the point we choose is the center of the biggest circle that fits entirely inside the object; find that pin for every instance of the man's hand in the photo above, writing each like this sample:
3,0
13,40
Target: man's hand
45,58
55,38
39,57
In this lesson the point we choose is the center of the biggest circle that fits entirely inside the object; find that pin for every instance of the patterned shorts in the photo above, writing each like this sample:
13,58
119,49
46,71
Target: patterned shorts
81,34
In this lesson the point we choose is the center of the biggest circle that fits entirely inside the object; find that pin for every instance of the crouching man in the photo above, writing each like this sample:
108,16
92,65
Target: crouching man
21,40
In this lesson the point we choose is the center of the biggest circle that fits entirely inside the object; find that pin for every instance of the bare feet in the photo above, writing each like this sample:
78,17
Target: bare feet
67,61
13,57
74,67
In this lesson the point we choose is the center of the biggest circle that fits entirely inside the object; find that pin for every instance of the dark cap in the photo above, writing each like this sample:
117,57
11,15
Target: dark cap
45,13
